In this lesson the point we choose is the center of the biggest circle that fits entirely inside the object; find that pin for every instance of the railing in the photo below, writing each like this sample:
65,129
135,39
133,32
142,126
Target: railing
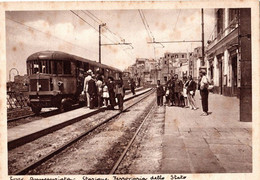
16,100
223,33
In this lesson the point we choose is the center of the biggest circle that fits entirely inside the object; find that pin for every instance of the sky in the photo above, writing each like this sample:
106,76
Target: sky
28,32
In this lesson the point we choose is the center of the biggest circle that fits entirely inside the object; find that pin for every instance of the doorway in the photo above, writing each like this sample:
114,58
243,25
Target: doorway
220,77
234,75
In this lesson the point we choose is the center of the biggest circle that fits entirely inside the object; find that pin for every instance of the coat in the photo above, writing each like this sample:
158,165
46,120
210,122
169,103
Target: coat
159,90
191,86
92,88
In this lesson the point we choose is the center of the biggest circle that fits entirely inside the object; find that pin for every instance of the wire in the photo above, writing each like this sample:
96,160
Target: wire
98,23
147,25
177,20
144,24
83,20
49,34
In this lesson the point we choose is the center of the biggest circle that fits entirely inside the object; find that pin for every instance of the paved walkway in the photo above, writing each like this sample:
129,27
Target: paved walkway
206,144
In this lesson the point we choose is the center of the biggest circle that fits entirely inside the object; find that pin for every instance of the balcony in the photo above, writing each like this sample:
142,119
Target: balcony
225,35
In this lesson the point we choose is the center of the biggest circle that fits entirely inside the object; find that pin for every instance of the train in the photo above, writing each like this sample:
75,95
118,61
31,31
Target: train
56,78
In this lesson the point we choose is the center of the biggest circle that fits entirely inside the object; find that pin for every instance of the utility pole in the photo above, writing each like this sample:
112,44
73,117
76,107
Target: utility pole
202,27
99,43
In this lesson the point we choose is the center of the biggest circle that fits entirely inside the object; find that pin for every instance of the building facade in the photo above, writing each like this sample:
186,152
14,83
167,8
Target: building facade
228,57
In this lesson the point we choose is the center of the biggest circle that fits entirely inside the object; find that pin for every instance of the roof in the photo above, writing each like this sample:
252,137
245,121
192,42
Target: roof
58,55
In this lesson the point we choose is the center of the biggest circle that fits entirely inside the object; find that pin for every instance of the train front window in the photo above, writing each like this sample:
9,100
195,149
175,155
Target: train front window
67,67
49,67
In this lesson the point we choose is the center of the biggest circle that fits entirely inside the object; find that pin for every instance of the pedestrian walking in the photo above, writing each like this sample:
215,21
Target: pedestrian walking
119,92
191,89
99,85
204,83
159,93
85,87
111,92
92,91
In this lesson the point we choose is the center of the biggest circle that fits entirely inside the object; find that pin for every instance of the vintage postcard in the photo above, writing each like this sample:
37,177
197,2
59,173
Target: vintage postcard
128,90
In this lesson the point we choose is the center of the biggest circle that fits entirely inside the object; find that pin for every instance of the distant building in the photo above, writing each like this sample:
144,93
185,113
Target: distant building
195,63
169,64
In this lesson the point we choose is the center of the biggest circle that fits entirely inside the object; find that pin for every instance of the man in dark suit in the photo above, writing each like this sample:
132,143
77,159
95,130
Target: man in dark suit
111,92
159,93
92,90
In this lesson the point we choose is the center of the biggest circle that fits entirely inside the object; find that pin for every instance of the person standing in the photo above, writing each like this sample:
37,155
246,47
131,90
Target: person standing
191,89
185,96
92,91
178,86
132,86
119,92
85,87
159,93
204,83
99,84
105,94
111,92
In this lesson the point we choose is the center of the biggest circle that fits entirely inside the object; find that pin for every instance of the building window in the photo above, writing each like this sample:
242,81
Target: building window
233,13
182,56
165,62
220,20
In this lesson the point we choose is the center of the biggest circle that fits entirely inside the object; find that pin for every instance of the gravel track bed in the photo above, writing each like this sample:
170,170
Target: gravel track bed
30,152
97,153
145,154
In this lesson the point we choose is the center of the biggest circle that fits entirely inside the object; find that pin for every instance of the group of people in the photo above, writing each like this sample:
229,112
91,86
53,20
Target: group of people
181,93
99,92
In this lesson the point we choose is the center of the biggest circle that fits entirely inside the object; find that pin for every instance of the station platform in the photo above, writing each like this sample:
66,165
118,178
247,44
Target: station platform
217,143
24,133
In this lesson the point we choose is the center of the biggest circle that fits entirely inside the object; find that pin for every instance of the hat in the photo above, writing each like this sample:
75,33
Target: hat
89,71
203,71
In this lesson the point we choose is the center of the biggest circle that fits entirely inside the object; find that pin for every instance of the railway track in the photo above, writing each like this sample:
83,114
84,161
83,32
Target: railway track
47,113
61,148
121,158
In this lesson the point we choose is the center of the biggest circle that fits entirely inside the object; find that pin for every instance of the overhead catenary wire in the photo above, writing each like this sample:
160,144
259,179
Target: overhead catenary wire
32,28
177,20
99,21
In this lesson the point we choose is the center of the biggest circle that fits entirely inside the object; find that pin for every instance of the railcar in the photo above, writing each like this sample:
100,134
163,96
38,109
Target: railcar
56,78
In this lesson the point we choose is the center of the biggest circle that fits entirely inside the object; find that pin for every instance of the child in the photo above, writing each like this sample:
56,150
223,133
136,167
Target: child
105,95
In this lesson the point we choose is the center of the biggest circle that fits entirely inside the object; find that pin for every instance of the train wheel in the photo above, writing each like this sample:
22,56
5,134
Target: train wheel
36,110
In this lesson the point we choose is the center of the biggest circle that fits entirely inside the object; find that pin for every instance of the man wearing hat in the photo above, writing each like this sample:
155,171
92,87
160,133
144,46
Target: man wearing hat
204,83
85,87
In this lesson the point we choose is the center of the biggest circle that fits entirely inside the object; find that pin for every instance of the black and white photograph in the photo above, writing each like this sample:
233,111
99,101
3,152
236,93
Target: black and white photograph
131,89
